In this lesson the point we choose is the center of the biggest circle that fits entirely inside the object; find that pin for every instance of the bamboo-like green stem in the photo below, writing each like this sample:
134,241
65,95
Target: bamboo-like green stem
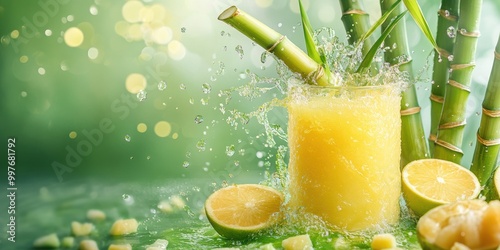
295,58
488,135
356,23
445,39
449,139
413,141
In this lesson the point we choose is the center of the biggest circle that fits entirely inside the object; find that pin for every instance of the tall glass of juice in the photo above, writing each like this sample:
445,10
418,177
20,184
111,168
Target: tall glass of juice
345,146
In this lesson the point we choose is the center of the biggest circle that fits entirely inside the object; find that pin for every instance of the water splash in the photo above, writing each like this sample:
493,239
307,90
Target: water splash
198,119
451,32
142,95
239,50
162,85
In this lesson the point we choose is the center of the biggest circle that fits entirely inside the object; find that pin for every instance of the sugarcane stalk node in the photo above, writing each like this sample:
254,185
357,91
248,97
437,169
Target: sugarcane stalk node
466,33
486,142
452,124
448,146
459,85
436,98
270,49
491,113
410,111
447,15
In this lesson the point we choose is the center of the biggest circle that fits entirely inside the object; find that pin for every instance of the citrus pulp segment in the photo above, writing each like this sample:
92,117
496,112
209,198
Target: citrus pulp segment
471,224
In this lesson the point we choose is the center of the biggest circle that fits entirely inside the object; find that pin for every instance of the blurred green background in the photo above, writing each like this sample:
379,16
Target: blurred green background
70,72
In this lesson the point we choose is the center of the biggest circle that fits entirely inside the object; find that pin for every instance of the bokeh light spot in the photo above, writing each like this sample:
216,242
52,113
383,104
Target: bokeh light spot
175,136
163,129
162,35
23,59
141,127
48,32
73,134
264,3
131,11
176,50
93,53
93,10
24,93
135,83
41,71
14,34
73,37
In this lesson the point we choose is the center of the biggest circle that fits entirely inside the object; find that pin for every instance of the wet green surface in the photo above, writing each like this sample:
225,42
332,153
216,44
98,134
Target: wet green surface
47,209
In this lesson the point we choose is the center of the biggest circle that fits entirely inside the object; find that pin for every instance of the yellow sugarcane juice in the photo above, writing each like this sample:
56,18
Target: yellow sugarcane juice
345,153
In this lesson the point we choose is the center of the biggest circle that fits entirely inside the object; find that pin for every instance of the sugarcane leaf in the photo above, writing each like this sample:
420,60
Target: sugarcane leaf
379,22
367,60
309,35
416,12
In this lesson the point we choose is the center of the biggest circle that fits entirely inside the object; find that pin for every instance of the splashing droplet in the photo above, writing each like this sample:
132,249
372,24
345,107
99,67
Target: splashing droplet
206,88
142,95
185,164
162,85
198,119
263,57
230,150
201,145
239,50
182,86
128,199
128,138
451,32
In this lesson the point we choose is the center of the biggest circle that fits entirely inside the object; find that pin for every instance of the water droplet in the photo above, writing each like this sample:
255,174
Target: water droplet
451,32
446,13
128,199
263,57
128,138
450,58
206,88
239,50
279,25
222,33
201,145
182,86
394,46
24,94
191,100
204,101
230,150
198,119
185,164
183,29
142,95
148,157
162,85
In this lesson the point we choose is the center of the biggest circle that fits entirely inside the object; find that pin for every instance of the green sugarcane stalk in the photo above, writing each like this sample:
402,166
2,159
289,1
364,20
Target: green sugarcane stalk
445,39
356,23
413,141
452,122
484,160
295,58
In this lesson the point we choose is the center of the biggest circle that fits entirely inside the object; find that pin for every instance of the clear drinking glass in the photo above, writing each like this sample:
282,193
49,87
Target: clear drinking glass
345,146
